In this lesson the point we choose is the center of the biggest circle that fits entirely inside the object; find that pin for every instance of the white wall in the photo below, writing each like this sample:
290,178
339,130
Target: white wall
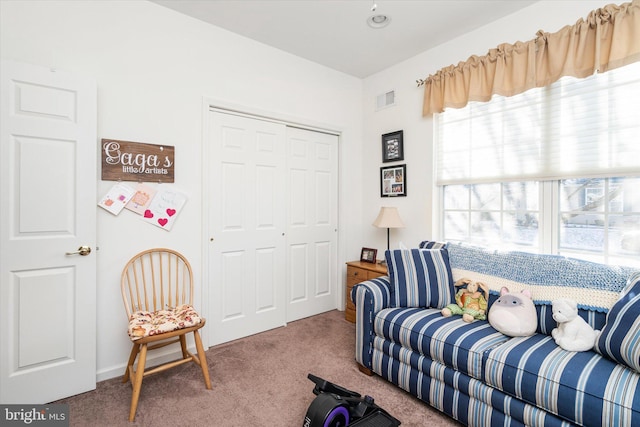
416,208
153,68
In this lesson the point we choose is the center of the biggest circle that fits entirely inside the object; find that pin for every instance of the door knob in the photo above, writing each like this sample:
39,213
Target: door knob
82,250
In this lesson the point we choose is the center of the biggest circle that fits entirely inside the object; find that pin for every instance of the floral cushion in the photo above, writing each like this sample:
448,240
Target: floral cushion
147,323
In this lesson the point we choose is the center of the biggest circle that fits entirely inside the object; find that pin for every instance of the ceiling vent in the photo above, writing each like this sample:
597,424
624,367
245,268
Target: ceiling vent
387,99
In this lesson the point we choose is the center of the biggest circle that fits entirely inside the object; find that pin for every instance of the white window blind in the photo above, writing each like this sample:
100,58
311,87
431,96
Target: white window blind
572,128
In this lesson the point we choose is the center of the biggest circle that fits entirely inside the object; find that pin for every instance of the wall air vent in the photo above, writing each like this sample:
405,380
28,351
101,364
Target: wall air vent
384,100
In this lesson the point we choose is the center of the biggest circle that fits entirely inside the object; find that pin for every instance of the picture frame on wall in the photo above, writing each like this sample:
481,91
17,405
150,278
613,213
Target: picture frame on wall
393,181
368,255
392,147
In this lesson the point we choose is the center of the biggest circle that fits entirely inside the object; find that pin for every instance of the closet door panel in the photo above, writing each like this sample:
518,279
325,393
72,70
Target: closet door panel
313,194
246,223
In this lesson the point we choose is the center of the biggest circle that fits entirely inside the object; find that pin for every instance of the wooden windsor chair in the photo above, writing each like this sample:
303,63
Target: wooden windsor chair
157,291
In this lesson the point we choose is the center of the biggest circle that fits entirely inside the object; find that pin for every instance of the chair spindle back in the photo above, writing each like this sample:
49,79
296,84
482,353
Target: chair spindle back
156,279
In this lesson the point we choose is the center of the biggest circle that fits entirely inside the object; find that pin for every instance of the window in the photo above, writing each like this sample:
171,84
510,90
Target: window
600,218
492,213
555,169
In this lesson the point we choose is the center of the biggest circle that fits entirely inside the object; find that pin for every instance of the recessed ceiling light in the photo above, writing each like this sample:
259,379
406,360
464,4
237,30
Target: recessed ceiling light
378,21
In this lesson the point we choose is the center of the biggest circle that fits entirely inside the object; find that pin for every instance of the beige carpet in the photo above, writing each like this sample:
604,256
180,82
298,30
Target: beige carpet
257,381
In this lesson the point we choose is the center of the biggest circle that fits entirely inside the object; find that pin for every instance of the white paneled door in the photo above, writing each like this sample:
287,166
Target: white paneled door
272,206
47,209
247,250
312,223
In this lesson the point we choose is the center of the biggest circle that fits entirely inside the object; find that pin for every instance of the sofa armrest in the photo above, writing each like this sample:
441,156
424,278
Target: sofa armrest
375,291
369,298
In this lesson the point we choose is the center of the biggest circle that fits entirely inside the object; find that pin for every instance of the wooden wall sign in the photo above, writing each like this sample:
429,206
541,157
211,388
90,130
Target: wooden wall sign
136,161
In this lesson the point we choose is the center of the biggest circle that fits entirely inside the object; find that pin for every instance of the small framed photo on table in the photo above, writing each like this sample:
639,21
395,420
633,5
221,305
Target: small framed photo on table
368,255
392,147
393,181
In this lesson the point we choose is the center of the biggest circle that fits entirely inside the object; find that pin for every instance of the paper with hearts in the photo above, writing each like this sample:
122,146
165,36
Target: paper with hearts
116,198
142,198
165,207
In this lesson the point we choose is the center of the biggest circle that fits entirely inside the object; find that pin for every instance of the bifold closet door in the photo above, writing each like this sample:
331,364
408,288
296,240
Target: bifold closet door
246,203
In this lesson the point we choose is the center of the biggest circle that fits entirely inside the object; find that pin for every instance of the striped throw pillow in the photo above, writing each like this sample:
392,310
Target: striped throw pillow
620,337
420,278
432,244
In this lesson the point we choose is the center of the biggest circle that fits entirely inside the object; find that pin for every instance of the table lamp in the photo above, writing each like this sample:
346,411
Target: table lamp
388,218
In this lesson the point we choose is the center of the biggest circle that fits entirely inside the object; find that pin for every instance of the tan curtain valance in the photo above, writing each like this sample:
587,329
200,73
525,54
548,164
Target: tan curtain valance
608,38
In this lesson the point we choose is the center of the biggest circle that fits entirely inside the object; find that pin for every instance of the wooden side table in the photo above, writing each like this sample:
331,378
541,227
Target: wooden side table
357,272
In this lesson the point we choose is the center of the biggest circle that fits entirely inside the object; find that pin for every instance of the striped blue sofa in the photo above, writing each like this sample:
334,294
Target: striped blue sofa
481,377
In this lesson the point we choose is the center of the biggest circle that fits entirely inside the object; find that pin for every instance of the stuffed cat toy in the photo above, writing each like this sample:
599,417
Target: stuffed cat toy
572,333
514,314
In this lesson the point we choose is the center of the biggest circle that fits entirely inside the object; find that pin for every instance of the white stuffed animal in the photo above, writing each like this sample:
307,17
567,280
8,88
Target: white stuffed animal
572,333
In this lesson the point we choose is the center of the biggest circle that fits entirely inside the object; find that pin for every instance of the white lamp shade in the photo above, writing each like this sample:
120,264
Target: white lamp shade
388,218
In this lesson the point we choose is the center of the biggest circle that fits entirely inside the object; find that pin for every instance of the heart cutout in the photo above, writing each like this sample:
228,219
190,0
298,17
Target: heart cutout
148,214
171,212
163,221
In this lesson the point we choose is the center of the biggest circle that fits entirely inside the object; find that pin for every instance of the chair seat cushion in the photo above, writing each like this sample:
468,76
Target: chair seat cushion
147,323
